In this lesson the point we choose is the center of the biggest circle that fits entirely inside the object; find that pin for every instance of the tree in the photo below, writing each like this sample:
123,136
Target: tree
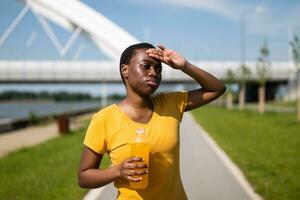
296,58
229,95
262,71
244,76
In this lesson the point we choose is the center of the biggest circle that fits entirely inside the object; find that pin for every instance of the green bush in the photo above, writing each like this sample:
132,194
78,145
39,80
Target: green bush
33,118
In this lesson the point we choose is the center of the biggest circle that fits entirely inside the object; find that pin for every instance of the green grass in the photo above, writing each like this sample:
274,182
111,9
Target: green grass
265,147
282,103
45,171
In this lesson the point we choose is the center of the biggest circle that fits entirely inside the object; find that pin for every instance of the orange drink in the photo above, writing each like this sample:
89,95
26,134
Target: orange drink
140,149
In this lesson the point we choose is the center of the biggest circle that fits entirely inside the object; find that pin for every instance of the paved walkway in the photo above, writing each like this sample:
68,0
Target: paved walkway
33,135
207,173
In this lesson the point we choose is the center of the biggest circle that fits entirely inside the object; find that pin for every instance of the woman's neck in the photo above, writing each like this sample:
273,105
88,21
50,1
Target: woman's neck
138,102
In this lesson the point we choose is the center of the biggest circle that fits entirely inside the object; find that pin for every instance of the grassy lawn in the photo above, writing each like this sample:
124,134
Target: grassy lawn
282,103
45,171
265,147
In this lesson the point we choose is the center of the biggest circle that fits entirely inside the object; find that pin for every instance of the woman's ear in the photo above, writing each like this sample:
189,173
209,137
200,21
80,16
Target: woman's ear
124,70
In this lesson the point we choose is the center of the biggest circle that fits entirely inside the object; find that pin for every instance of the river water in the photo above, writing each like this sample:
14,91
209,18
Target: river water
22,109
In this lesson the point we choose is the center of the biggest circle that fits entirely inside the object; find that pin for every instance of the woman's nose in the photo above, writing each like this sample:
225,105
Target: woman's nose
152,71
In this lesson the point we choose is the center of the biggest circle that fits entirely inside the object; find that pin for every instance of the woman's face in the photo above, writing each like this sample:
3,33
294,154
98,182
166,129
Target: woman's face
144,73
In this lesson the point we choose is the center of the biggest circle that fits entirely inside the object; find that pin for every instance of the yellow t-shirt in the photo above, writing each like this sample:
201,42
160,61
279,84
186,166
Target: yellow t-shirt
111,131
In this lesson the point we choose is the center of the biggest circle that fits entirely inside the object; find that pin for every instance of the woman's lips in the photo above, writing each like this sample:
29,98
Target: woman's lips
152,83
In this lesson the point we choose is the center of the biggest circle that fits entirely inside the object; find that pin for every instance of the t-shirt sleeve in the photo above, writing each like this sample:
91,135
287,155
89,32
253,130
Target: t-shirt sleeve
95,136
182,101
177,101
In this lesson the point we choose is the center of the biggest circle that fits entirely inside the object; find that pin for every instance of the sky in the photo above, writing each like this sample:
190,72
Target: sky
200,30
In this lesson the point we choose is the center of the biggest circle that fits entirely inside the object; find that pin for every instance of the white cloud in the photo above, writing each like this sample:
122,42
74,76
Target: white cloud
227,8
230,9
145,3
275,19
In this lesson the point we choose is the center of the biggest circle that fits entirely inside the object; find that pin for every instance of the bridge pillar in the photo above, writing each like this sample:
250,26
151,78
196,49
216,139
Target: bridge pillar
271,90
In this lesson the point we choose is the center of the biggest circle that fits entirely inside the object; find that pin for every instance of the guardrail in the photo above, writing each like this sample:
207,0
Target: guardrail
106,71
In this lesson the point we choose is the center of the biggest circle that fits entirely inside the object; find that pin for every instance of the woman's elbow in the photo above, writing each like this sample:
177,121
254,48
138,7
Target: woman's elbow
81,180
223,89
81,185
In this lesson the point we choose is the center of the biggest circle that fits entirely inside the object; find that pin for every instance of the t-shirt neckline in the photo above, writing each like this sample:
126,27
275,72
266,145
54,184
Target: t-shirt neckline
138,124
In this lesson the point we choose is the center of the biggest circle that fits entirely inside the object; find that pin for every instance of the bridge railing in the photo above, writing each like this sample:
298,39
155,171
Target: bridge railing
107,71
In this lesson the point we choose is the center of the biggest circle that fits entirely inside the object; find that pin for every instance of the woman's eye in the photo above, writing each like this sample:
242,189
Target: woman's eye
146,66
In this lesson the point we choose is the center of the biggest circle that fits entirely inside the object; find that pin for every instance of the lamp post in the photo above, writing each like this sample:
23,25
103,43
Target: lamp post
244,71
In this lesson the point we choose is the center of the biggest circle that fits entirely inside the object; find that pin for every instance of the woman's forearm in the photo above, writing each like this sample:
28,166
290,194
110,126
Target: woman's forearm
95,178
207,81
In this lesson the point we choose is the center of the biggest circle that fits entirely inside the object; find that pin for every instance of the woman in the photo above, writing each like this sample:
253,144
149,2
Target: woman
113,128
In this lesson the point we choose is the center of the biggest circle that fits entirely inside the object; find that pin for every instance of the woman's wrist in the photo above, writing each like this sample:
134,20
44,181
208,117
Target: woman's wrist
185,66
117,170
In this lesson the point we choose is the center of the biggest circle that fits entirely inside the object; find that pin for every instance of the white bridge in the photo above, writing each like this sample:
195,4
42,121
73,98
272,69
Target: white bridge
108,71
111,39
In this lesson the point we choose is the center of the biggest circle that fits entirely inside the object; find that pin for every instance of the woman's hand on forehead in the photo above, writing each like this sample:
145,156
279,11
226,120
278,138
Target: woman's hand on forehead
168,56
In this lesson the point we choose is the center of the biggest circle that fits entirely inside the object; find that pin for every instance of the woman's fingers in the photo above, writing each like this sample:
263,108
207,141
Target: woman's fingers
133,167
141,172
161,47
129,172
134,172
134,179
139,166
134,175
134,159
158,57
155,52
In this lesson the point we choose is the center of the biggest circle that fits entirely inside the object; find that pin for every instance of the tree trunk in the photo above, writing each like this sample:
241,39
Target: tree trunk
298,103
298,94
242,97
261,96
229,100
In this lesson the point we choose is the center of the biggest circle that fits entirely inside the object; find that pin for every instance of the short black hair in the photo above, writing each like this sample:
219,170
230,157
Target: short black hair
129,52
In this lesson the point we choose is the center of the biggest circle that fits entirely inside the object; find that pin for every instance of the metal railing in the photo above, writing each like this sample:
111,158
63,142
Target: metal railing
107,71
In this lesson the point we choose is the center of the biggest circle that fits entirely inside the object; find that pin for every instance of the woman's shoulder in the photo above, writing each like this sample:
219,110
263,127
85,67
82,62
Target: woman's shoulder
105,112
168,96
